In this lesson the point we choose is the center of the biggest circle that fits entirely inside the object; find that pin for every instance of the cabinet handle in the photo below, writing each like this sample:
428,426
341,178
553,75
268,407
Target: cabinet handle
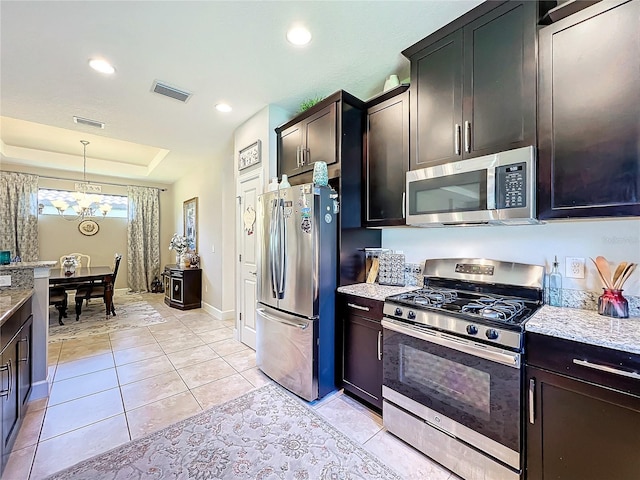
532,398
298,156
26,357
467,136
604,368
456,139
359,307
380,345
404,214
7,367
307,152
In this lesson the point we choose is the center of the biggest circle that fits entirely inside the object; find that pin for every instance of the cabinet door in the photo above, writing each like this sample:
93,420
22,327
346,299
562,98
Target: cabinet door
9,395
290,145
580,430
320,138
362,358
499,107
177,290
387,160
25,355
436,103
589,157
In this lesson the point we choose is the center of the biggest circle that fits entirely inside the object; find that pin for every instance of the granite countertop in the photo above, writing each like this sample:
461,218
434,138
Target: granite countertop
587,326
374,291
11,301
40,263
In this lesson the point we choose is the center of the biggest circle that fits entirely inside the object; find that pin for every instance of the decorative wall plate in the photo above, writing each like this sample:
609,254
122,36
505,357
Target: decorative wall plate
88,227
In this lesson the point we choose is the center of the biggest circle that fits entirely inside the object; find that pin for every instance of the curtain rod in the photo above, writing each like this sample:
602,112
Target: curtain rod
101,183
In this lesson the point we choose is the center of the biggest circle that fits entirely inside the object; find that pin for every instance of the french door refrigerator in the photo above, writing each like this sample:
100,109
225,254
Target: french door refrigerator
297,271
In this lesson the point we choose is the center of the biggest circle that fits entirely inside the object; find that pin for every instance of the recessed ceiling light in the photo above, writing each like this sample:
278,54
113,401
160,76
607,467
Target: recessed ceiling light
223,107
299,35
101,66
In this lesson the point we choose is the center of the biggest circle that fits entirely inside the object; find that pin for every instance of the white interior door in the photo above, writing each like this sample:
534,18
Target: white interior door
250,186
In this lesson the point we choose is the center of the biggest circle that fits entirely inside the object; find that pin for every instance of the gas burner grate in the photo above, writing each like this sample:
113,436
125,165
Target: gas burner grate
496,309
433,297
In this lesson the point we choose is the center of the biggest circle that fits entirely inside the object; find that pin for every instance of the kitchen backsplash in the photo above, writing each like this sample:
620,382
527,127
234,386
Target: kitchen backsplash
581,299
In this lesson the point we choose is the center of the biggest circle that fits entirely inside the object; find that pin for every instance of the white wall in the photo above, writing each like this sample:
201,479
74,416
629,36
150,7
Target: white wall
615,239
210,185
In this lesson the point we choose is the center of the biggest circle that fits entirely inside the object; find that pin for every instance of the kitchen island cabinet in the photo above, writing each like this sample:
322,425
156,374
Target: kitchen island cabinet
473,85
589,105
15,375
583,410
386,158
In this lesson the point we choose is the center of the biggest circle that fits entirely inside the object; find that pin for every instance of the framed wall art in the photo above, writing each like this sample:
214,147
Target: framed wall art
190,218
249,156
88,227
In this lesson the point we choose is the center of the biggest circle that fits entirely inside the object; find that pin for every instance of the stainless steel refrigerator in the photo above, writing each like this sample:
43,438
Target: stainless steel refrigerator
297,272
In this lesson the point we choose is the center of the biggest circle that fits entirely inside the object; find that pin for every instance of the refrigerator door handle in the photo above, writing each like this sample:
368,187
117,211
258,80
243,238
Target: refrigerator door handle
272,263
301,326
282,244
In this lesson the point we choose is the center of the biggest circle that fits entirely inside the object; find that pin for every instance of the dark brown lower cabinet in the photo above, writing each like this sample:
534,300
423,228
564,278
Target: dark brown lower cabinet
361,340
583,422
183,287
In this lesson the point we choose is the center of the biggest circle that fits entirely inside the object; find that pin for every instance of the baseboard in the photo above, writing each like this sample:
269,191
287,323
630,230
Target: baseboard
217,313
39,390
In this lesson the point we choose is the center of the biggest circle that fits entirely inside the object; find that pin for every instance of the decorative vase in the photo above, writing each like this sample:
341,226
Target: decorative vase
69,266
612,304
182,263
320,174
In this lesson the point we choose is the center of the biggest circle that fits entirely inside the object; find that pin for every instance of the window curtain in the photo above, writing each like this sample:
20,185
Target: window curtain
143,230
19,215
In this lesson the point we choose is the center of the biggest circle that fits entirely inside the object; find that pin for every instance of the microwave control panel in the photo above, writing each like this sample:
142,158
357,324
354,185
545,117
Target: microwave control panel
511,186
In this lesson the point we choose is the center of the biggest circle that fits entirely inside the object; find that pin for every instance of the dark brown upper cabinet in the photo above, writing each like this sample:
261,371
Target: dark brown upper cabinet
318,134
386,158
473,85
589,106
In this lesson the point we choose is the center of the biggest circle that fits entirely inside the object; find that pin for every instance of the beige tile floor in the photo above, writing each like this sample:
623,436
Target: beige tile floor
112,388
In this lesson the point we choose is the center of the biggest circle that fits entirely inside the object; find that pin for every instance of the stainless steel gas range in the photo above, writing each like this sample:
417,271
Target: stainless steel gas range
453,375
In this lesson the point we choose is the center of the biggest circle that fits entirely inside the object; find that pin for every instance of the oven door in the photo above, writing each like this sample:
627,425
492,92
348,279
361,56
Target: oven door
475,386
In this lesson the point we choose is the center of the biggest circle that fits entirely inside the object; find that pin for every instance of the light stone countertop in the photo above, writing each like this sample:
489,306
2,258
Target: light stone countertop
587,326
11,301
37,264
375,291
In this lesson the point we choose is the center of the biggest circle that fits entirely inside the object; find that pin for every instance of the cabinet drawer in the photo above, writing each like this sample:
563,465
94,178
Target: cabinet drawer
13,324
604,366
361,306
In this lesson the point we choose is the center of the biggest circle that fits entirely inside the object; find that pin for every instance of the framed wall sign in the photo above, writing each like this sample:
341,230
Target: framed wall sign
190,218
249,156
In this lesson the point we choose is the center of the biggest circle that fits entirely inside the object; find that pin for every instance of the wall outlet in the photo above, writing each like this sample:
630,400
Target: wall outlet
5,280
574,267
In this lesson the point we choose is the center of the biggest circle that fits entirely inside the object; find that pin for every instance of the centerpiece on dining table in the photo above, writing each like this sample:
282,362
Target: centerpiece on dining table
180,245
69,265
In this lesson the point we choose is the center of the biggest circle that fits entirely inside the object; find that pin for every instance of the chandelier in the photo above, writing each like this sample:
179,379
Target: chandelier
87,204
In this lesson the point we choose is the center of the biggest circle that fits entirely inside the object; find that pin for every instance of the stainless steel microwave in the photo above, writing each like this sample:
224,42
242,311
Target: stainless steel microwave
498,189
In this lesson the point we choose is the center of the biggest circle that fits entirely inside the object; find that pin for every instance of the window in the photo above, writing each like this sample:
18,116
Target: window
119,203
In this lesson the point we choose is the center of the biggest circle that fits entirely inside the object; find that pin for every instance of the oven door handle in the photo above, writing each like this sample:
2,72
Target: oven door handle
498,355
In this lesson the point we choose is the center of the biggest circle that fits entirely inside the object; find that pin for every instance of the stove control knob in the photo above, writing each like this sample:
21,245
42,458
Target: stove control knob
472,329
411,315
491,334
398,311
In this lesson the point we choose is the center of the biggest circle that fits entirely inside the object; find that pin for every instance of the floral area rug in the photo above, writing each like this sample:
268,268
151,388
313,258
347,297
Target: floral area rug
264,434
132,310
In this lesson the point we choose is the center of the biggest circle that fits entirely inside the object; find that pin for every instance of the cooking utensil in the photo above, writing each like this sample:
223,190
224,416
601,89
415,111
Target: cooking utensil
603,268
605,282
618,272
625,275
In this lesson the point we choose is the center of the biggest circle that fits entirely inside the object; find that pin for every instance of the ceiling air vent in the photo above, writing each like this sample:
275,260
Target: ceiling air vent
171,92
86,121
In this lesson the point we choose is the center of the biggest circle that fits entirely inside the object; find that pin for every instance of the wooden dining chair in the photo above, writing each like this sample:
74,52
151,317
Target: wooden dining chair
96,290
83,259
58,298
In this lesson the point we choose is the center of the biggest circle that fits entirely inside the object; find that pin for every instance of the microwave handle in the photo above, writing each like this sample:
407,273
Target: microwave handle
491,188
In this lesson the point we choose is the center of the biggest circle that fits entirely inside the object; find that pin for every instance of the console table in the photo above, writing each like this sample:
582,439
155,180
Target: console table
182,287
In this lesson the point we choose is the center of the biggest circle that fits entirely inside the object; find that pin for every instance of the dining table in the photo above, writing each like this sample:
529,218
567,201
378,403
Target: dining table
100,275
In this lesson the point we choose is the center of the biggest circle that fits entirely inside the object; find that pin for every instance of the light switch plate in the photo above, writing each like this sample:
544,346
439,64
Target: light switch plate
5,280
